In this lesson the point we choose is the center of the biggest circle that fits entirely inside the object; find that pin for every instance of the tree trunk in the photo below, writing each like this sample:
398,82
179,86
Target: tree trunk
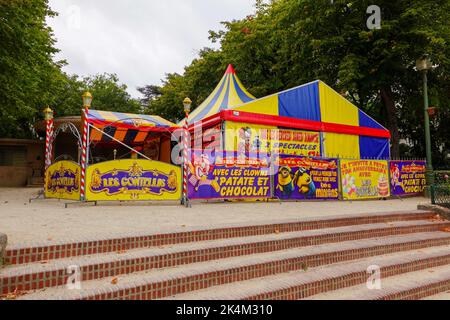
391,110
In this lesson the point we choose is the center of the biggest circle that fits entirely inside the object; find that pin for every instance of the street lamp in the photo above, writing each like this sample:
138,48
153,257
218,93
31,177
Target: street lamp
424,65
87,99
48,114
187,107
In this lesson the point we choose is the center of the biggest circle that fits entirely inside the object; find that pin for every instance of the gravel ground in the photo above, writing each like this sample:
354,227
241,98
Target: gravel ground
48,220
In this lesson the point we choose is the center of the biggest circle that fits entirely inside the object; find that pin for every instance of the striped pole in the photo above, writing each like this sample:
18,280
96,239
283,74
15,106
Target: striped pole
48,143
48,116
185,158
87,99
186,144
84,153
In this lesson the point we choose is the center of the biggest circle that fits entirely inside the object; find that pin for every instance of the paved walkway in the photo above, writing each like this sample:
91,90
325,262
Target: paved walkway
48,220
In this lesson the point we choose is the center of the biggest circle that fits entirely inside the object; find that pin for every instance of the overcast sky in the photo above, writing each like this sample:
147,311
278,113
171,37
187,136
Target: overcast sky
139,40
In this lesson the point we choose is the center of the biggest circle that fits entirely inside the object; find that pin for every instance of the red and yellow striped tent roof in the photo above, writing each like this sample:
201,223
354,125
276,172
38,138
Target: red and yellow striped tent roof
128,128
229,93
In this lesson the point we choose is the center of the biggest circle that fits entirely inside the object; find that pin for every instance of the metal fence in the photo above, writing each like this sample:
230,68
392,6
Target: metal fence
440,190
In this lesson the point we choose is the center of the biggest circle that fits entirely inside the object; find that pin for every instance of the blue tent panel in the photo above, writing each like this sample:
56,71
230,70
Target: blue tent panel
366,121
374,148
301,103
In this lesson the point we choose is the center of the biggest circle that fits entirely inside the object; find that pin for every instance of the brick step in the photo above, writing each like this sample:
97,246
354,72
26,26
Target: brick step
301,284
409,286
158,283
28,253
53,273
440,296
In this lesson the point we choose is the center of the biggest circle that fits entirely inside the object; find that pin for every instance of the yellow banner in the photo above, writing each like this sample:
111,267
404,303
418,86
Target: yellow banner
245,138
364,179
62,181
133,179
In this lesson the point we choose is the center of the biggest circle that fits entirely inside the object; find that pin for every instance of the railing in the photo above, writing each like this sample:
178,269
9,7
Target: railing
440,190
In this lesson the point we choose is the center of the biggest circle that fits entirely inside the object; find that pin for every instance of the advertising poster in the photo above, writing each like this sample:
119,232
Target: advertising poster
245,139
221,176
301,178
364,179
62,181
133,179
295,142
407,177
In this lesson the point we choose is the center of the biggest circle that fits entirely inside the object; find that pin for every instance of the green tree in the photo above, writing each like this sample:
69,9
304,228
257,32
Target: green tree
291,42
28,74
30,79
198,81
109,94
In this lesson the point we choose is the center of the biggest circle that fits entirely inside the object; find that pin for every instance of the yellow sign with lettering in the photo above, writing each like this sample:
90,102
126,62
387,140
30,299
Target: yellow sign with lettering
133,179
62,181
244,139
364,179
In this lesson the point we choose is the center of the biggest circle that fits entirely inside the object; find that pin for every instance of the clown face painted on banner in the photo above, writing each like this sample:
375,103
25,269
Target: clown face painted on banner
201,168
285,181
304,183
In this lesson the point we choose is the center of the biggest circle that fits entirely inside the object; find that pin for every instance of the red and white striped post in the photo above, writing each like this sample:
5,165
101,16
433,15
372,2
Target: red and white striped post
186,142
87,99
48,116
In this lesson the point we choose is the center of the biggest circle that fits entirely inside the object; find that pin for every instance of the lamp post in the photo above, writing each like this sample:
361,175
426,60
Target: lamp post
87,100
187,107
424,65
48,116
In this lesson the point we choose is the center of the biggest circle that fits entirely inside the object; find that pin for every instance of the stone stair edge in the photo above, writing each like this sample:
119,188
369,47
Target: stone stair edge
348,249
214,228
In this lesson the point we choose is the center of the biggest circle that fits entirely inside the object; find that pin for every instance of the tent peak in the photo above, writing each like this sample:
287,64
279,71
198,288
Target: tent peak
230,69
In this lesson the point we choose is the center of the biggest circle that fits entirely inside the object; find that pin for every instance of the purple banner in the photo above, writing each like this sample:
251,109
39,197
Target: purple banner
135,178
219,176
301,178
407,177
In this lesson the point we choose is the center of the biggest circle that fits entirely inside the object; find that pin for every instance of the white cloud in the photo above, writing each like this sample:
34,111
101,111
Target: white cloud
139,40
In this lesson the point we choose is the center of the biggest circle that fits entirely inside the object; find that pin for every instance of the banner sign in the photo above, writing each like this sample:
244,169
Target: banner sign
244,139
62,181
133,179
301,178
364,179
218,176
407,177
295,142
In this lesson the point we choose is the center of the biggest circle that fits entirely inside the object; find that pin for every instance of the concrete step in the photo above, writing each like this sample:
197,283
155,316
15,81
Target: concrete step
301,284
158,283
54,273
408,286
51,250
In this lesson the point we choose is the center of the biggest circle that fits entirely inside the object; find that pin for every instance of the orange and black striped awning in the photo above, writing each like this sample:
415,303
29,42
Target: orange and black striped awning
126,127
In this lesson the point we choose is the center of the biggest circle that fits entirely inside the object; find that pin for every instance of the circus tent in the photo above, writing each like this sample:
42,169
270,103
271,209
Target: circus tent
345,130
228,93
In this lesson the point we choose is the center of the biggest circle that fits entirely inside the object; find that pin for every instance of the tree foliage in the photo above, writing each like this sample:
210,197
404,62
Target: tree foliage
290,42
28,75
284,43
31,79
